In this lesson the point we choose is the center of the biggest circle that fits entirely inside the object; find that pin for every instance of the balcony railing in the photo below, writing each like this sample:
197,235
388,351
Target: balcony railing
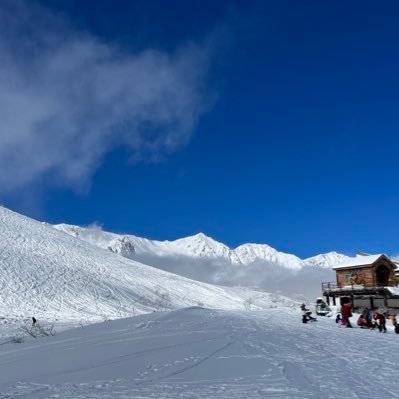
333,286
329,286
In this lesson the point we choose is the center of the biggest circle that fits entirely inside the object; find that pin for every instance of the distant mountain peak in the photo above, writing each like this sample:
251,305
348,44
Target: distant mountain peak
199,245
326,260
199,235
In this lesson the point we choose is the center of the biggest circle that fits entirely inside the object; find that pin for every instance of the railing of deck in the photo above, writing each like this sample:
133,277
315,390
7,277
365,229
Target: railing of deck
329,286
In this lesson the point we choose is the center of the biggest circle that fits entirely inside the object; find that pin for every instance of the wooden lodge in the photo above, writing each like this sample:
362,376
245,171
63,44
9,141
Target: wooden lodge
367,281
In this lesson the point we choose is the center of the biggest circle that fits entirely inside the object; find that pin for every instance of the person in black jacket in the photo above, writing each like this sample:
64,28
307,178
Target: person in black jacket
306,314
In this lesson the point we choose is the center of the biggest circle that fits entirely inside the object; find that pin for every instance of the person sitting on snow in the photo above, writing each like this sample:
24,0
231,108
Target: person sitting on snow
367,316
362,322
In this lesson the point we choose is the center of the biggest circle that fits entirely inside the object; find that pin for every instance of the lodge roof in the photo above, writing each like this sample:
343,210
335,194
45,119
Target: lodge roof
360,261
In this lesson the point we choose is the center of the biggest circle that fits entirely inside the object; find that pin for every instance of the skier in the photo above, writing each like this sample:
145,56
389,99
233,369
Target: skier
33,322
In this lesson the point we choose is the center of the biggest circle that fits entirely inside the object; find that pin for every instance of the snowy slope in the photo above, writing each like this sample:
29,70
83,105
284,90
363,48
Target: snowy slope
199,246
49,274
198,353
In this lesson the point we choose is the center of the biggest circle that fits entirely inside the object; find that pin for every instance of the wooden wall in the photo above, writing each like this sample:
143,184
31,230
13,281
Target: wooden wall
365,275
359,275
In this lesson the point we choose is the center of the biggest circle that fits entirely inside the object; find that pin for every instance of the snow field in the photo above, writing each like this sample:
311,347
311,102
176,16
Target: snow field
203,353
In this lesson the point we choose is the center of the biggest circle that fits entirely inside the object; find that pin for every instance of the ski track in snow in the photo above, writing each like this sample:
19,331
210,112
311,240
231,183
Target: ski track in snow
200,353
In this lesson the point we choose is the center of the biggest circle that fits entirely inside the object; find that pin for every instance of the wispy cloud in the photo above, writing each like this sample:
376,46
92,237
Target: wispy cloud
66,99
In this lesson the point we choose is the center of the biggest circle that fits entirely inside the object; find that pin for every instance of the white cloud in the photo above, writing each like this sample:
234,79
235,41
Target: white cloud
66,99
264,275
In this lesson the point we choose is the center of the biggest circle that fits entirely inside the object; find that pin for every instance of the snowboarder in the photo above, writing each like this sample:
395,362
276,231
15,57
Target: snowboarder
306,314
33,322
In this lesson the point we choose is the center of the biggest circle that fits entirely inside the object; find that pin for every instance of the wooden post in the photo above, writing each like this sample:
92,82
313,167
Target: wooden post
371,302
334,303
328,299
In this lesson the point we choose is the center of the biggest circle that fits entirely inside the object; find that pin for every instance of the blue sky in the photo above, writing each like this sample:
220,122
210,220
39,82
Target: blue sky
283,128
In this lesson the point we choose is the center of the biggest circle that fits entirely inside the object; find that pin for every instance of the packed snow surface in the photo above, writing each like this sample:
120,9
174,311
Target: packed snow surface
202,353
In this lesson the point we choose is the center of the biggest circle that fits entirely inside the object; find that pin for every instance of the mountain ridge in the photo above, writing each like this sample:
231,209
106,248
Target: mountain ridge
198,246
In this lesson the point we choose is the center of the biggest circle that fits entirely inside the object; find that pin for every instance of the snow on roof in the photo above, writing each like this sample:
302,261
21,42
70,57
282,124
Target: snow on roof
359,261
393,290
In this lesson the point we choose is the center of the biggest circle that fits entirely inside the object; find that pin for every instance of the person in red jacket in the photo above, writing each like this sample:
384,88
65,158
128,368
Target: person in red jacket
381,320
362,322
346,312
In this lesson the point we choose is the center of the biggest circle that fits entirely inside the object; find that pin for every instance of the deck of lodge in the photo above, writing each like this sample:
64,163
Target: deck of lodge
361,297
366,281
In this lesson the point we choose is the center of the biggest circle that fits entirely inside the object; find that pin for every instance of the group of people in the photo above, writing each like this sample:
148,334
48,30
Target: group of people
367,319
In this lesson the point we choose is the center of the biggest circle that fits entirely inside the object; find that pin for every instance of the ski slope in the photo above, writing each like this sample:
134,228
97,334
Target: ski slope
202,353
50,275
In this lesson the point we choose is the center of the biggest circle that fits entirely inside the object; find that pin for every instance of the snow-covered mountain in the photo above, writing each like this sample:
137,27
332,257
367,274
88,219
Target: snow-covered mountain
197,246
53,275
327,260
